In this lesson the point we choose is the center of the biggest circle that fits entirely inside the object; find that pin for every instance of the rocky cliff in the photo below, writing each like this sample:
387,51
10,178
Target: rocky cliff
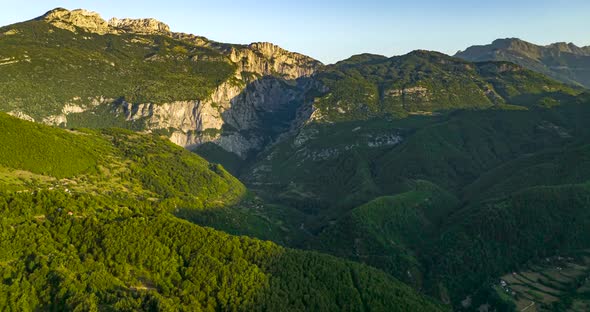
139,26
82,19
239,119
92,22
268,59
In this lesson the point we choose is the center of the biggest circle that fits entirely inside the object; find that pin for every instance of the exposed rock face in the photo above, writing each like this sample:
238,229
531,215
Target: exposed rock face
56,120
419,91
263,98
21,115
182,115
263,107
255,115
140,26
94,23
268,59
69,20
73,108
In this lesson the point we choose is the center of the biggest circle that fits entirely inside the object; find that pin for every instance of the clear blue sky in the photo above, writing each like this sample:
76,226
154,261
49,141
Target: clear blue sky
331,30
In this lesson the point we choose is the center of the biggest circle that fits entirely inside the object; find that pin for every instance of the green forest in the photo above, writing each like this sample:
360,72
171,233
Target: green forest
99,236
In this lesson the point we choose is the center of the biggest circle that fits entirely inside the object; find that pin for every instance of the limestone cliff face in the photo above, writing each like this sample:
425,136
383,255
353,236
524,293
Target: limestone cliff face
184,116
255,114
94,23
69,20
21,115
181,115
140,26
262,107
268,59
263,97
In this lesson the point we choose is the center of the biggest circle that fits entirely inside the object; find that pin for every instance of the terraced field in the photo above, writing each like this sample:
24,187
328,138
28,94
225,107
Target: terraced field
560,283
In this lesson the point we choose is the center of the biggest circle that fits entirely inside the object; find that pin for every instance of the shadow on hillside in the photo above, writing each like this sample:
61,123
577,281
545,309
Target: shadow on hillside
266,108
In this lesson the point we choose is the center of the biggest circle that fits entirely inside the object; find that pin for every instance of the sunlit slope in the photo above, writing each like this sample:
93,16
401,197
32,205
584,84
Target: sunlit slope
100,235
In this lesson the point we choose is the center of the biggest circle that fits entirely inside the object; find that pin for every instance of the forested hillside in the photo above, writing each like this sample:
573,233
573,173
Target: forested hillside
433,199
422,82
89,66
88,225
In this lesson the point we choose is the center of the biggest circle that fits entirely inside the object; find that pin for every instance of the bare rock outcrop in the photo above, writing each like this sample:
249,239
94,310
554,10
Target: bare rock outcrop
147,26
70,20
268,59
92,22
184,116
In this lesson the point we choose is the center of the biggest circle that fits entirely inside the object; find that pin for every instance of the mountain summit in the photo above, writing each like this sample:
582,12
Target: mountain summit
92,22
562,61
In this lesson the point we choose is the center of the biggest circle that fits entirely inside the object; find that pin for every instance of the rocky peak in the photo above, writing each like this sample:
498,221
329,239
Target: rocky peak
87,20
518,45
568,48
506,43
500,47
261,58
266,58
521,48
139,26
268,49
94,23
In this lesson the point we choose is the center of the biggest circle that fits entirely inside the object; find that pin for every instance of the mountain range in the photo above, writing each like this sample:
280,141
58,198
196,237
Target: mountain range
154,170
562,61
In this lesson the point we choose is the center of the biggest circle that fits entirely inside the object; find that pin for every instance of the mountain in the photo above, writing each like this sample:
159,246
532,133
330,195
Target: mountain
238,97
423,82
420,197
87,224
369,110
562,61
387,181
136,74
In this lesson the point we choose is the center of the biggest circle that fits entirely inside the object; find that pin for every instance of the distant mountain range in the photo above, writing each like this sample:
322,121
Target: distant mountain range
565,62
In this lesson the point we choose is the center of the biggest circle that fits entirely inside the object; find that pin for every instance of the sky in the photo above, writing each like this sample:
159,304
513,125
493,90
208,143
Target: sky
331,30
